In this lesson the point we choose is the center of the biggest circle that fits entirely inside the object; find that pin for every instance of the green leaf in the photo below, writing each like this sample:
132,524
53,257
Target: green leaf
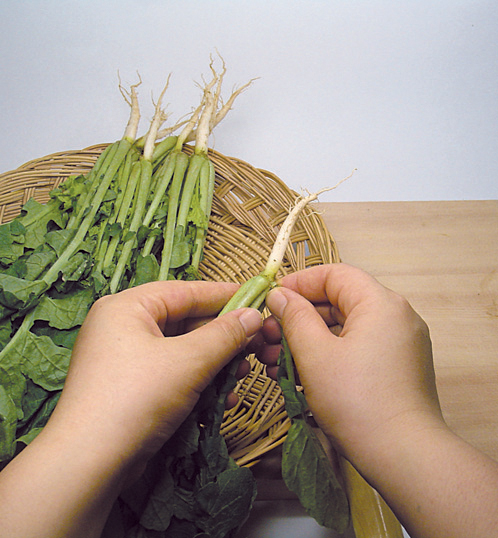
8,422
59,239
179,528
184,505
158,511
147,269
35,218
227,501
45,411
38,261
196,215
44,362
67,312
12,380
28,437
11,242
5,332
180,254
19,294
308,472
60,337
295,402
33,399
68,193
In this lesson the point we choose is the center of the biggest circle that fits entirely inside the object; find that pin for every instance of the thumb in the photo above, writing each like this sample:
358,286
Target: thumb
214,344
302,325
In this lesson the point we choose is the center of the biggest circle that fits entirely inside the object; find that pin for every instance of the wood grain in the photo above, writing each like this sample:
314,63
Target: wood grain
443,257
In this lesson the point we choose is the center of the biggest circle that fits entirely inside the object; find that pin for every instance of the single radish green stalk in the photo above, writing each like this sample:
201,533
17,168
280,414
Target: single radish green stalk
253,292
140,206
206,191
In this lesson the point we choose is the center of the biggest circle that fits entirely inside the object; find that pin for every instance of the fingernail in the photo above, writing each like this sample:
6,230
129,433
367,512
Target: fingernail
251,321
276,302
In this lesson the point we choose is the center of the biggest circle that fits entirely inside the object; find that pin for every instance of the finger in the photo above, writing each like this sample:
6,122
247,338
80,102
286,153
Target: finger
271,330
302,325
243,368
169,301
210,347
190,324
231,400
272,372
269,354
342,285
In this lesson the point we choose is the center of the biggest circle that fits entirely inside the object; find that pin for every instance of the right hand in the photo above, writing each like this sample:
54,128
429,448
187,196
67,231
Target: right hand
362,354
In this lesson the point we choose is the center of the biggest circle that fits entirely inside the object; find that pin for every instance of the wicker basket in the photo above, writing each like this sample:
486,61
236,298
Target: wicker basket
248,207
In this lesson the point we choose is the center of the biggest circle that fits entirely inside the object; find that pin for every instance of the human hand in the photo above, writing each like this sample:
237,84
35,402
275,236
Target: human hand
128,389
362,354
131,386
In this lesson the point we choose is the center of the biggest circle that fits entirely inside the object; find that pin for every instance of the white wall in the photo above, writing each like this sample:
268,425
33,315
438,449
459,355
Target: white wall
404,91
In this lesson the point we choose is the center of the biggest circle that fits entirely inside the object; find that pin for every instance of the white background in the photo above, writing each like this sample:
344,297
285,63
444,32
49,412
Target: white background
403,91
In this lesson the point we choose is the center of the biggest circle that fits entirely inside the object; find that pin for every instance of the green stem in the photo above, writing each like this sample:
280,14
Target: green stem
124,210
182,162
120,186
163,149
194,167
206,189
165,175
249,294
94,178
143,193
53,273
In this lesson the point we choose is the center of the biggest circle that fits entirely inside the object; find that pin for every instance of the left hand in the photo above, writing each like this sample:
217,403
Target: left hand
128,389
130,384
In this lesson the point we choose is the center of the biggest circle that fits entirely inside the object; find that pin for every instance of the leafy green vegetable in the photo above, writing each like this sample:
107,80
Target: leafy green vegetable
306,468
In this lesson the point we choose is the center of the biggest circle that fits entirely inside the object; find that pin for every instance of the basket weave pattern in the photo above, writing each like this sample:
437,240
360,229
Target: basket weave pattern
249,205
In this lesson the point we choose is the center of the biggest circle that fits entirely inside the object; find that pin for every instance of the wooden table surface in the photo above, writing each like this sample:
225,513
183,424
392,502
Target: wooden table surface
443,257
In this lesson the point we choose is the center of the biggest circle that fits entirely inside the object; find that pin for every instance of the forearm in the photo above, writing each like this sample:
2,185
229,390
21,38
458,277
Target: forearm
438,485
60,486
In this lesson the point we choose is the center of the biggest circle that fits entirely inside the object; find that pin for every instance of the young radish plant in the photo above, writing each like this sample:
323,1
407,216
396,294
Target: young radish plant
306,468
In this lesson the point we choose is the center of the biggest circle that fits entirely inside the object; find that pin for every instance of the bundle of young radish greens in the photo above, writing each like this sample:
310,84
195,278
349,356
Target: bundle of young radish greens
139,215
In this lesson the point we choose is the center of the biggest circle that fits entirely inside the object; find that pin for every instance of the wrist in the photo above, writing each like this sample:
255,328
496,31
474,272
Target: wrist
102,448
435,482
67,469
376,456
